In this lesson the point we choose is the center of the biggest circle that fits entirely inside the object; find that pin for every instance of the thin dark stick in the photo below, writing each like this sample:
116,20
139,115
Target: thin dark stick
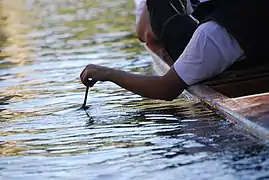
85,98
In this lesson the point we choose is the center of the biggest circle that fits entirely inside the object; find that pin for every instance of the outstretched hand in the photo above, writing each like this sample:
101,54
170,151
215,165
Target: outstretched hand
166,87
93,73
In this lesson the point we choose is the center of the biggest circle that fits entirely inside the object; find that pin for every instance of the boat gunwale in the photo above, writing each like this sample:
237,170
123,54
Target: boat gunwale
216,101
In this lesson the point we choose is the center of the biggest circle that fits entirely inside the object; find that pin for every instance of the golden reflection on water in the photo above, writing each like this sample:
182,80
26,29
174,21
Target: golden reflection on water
12,31
14,52
10,148
44,45
33,31
89,21
104,23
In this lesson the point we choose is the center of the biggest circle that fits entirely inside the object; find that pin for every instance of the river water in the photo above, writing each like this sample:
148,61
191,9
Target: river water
44,46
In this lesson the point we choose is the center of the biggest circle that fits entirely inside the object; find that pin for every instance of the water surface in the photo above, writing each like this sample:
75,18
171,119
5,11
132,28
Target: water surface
44,46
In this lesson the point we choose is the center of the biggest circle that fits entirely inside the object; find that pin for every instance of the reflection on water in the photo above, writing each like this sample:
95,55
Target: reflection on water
44,45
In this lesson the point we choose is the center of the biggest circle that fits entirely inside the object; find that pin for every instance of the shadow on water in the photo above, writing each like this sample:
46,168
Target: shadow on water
151,141
44,46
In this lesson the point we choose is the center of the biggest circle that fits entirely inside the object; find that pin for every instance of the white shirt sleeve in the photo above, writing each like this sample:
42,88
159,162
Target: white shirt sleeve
139,5
210,51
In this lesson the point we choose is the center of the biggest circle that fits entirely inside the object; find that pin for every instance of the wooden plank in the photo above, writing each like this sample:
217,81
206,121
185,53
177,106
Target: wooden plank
241,82
243,88
235,110
236,78
254,107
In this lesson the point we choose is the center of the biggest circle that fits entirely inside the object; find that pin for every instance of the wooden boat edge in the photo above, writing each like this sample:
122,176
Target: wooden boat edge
218,102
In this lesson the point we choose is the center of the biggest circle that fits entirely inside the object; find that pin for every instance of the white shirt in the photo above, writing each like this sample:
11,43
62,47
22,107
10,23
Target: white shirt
210,51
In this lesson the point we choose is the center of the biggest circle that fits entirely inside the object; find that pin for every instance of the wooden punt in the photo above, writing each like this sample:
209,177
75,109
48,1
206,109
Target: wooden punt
239,95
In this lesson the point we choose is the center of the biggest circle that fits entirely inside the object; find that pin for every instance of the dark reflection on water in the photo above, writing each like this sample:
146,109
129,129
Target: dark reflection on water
44,45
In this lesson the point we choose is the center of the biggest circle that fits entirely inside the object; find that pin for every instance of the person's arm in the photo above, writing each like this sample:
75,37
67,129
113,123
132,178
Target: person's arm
166,87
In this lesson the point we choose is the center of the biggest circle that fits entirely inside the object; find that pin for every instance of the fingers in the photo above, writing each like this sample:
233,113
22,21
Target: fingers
91,83
85,79
81,74
82,77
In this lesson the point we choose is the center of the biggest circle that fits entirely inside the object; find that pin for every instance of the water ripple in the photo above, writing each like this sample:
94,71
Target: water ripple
44,46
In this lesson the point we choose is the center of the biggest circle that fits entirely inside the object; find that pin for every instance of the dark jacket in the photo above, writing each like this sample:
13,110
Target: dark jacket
245,20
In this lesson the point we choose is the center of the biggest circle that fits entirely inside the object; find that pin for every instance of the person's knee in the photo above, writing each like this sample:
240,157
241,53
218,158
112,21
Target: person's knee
143,25
146,34
140,32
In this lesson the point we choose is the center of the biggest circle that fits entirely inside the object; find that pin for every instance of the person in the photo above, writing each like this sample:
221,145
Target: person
143,28
227,30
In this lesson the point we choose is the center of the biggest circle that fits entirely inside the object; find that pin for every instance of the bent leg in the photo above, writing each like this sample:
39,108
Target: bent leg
171,25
